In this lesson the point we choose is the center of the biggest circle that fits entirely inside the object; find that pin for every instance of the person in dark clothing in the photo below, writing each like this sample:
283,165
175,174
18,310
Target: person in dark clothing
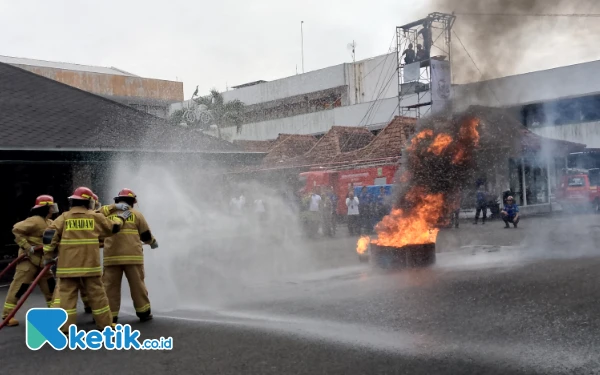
328,211
510,213
334,201
365,210
427,38
480,204
382,207
410,55
455,209
421,53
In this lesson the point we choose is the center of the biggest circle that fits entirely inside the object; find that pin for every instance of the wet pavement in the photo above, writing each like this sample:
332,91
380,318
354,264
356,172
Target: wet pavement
498,301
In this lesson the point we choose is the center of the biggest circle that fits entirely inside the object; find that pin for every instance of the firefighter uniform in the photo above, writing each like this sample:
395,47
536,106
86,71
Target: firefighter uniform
78,267
82,293
28,233
123,254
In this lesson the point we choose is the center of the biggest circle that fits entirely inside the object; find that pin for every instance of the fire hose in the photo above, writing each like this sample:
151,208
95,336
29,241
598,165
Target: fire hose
22,300
12,264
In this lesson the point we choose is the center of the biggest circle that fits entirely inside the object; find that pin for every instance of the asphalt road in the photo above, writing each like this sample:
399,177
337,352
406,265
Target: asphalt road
498,301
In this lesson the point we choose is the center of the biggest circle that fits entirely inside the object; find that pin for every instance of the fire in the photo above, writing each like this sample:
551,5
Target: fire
412,227
437,167
427,133
363,244
440,143
468,132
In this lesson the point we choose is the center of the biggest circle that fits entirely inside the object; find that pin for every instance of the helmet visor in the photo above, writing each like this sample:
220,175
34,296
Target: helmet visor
54,209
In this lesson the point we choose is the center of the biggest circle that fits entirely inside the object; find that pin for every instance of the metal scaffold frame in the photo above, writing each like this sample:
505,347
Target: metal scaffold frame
414,90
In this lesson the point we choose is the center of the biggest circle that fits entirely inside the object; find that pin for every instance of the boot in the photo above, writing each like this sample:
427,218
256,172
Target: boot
515,225
146,318
12,322
506,225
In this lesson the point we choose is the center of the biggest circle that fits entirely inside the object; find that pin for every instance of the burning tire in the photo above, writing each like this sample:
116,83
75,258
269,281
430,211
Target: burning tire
410,256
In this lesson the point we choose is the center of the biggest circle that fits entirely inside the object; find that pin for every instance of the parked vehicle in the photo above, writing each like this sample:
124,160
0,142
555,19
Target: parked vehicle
579,189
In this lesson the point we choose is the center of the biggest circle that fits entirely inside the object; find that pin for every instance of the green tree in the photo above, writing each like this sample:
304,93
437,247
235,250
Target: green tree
212,109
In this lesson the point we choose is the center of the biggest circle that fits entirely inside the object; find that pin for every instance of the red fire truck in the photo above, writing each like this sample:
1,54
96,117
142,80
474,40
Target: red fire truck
343,177
579,188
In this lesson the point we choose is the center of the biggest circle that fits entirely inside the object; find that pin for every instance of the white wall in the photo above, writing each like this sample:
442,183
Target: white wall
372,79
564,82
290,86
320,122
587,133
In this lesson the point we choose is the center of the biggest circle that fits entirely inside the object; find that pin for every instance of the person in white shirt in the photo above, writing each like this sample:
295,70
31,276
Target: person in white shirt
314,209
315,202
235,206
353,214
259,209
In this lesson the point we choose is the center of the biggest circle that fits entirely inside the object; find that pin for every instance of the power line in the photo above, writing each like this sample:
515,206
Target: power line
473,61
589,15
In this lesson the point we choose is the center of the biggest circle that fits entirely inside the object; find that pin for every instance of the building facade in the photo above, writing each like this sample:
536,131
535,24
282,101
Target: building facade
363,93
149,95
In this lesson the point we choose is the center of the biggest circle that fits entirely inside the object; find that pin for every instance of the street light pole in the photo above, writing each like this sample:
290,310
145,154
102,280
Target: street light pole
302,43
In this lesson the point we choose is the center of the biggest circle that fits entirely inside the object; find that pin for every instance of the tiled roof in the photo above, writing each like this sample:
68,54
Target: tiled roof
37,113
338,140
255,146
287,147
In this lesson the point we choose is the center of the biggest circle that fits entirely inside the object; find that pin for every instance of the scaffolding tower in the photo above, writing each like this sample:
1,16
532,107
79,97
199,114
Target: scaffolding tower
433,33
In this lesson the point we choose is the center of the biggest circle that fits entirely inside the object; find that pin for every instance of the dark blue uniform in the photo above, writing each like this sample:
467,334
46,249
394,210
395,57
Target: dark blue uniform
481,206
511,211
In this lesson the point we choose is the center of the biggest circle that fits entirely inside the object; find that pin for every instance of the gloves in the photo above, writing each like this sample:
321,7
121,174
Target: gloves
154,245
122,206
49,261
124,215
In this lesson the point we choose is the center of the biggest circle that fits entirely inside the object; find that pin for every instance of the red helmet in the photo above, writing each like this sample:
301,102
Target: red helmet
43,200
127,193
82,193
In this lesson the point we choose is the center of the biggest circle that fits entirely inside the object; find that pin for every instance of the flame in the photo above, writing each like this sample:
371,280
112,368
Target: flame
440,143
468,131
468,138
412,227
363,244
420,211
427,133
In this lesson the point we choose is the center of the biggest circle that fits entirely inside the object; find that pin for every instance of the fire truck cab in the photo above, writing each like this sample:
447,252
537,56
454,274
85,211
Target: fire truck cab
579,188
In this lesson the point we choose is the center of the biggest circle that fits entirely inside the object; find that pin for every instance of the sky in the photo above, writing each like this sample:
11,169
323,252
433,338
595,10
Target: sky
227,43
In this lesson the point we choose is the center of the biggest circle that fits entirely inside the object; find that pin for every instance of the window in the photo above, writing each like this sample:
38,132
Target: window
576,181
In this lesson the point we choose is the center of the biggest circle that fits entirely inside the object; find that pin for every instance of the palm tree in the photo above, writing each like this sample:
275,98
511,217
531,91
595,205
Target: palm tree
222,114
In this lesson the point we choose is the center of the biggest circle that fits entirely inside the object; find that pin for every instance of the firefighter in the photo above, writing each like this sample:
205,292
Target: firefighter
78,264
28,235
123,254
84,298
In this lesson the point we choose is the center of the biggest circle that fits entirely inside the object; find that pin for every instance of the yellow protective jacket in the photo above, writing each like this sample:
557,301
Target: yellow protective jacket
29,232
126,246
78,232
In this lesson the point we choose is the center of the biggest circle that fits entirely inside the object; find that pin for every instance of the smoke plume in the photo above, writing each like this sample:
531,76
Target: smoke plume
502,40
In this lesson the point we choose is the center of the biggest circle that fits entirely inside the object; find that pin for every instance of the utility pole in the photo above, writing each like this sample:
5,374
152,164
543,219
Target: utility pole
302,42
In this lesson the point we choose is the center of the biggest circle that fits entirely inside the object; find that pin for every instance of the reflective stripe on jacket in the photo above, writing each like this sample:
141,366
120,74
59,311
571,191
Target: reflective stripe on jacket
126,246
29,233
78,232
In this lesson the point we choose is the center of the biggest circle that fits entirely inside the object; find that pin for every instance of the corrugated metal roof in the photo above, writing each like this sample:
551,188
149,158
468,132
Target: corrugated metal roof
64,66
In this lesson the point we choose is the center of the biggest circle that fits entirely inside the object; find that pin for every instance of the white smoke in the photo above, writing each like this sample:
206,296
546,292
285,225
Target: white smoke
207,257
